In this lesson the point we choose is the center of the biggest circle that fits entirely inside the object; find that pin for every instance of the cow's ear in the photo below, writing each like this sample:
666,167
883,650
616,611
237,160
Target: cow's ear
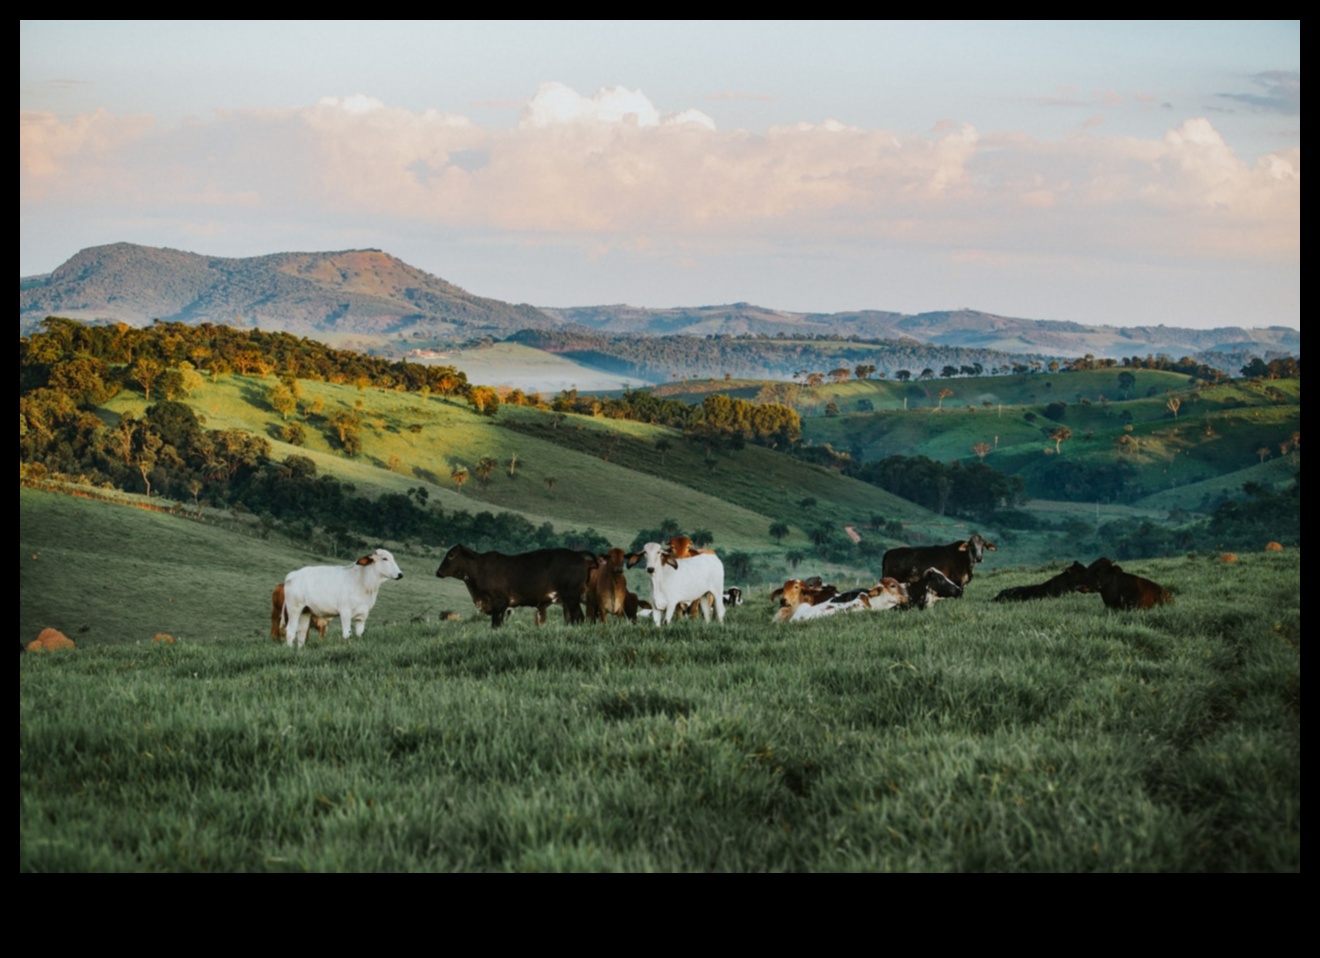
671,561
962,547
366,560
633,559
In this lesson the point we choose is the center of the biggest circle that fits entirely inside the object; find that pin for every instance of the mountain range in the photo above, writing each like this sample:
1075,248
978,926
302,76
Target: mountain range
369,292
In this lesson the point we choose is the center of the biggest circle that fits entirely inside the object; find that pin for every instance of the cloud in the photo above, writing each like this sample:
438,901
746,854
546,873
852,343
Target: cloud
611,171
1283,93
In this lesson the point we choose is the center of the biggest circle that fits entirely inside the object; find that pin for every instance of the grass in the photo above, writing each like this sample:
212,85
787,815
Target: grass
1045,736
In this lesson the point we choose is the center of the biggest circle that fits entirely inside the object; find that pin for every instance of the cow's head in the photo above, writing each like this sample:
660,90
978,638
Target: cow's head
456,564
655,555
384,564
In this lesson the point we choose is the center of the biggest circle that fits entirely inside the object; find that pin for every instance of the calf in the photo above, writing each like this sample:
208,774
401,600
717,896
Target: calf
795,593
499,582
932,586
886,594
674,581
1123,590
1075,578
955,560
330,590
278,617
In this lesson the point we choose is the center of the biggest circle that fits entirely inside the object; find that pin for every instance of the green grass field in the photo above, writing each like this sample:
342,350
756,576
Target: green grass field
1045,736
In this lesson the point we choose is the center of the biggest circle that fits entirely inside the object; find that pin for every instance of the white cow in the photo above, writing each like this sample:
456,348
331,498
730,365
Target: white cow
887,594
674,581
329,590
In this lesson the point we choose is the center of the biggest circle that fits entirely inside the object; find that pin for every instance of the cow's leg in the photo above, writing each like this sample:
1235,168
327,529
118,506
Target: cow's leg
359,624
717,598
498,609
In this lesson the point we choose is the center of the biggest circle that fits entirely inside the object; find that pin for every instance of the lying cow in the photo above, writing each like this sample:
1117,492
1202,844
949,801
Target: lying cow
279,618
797,592
886,594
499,582
1123,590
1075,578
331,590
932,586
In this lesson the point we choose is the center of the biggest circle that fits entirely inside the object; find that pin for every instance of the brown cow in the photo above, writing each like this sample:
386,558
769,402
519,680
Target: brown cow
795,592
277,619
607,588
1123,590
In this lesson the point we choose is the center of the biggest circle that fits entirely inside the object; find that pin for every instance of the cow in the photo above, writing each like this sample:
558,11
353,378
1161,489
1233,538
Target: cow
732,597
1123,590
929,588
682,580
331,590
955,560
1075,578
499,582
795,593
886,594
278,617
607,588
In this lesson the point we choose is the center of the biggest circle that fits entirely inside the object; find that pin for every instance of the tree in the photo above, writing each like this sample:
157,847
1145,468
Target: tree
282,400
550,483
1125,382
662,446
982,449
485,466
779,531
460,475
1174,405
145,372
944,394
1060,435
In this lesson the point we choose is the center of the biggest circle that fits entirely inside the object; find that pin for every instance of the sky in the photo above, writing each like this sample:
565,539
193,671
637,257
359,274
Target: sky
1104,172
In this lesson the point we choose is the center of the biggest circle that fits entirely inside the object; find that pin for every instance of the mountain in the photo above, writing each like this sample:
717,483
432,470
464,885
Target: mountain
966,328
370,293
353,291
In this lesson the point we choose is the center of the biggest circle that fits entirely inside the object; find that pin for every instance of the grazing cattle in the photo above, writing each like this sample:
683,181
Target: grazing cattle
278,619
1123,590
499,582
1075,578
886,594
932,586
955,560
331,590
607,588
674,581
796,592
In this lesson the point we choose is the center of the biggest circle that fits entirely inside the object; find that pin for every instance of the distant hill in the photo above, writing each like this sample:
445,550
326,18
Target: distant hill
353,291
965,328
370,293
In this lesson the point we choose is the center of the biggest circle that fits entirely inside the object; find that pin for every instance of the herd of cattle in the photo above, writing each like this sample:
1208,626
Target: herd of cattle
685,581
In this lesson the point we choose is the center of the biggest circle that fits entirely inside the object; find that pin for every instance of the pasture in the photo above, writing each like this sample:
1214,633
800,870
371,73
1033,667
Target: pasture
1044,736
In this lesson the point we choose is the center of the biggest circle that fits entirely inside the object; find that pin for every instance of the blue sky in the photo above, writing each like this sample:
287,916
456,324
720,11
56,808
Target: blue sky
1115,172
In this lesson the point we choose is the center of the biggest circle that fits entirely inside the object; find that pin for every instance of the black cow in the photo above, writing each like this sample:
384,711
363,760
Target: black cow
1075,578
499,582
955,560
931,586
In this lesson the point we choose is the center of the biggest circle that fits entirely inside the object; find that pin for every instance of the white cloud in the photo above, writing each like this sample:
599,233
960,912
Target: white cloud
613,171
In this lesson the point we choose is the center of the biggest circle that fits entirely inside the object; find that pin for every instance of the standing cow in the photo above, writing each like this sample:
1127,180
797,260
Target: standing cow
331,590
499,582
